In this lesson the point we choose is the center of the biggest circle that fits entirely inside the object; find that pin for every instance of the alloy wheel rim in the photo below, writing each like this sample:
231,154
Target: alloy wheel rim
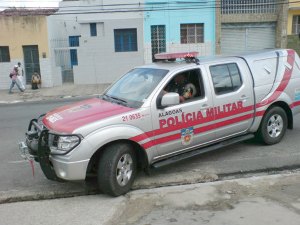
124,169
275,126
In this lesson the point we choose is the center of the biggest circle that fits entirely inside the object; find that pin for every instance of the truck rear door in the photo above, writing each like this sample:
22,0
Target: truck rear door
233,97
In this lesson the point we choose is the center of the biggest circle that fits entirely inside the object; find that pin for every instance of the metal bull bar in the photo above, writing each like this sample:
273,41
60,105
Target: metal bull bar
36,147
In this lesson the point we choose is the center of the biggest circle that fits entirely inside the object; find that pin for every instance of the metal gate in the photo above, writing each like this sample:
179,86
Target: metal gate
158,39
65,53
63,60
237,38
31,61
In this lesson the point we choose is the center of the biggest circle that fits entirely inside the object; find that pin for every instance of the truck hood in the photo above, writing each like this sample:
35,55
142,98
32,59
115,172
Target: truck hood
68,118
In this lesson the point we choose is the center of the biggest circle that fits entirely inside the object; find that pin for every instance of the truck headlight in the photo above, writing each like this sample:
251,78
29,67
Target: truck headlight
60,144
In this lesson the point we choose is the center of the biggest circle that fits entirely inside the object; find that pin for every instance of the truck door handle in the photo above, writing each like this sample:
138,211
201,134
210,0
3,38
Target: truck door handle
244,97
204,106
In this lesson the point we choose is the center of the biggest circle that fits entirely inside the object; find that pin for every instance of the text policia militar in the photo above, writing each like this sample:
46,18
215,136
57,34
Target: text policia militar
207,115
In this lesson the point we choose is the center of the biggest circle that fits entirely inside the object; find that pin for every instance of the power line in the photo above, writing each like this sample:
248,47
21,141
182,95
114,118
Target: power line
145,7
152,4
162,8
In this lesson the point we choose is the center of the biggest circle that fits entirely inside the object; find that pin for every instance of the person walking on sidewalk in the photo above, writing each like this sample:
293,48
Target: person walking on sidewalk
20,76
13,76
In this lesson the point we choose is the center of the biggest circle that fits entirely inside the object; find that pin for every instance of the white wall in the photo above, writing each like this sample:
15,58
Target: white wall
97,60
204,49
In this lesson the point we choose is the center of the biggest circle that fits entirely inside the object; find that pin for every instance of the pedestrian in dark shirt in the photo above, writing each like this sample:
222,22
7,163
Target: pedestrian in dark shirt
13,76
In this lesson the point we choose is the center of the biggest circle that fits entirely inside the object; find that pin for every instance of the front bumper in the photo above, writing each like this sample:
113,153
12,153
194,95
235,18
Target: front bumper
63,170
69,170
55,167
36,147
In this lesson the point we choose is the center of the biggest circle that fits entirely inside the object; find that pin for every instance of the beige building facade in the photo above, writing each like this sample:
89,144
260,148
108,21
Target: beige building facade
293,25
24,38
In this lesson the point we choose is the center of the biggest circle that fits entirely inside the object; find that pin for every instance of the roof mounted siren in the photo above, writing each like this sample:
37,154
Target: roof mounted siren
189,57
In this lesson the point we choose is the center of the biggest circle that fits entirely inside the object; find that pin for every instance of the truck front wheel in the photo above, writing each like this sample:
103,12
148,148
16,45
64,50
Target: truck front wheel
117,169
273,126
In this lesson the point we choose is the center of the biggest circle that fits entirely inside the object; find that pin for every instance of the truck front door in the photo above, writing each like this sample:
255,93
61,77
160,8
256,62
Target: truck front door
182,127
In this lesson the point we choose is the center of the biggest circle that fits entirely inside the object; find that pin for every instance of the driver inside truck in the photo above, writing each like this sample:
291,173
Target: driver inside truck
179,84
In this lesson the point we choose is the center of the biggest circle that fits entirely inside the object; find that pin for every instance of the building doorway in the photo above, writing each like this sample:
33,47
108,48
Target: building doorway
247,37
31,61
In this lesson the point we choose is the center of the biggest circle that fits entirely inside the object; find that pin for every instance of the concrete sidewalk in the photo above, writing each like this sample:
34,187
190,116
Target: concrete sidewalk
65,91
272,199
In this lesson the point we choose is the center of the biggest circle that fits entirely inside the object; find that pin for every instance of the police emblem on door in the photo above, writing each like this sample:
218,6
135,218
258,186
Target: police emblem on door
187,136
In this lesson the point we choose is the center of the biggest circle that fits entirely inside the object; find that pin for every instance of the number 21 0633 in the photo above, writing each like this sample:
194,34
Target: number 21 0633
131,117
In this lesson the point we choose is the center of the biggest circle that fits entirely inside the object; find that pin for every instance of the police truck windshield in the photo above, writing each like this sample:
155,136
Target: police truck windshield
134,87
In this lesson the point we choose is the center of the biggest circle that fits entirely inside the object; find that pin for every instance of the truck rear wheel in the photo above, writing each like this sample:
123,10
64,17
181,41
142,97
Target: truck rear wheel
273,126
117,169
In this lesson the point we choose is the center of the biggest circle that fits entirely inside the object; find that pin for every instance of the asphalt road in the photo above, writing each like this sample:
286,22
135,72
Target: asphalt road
18,183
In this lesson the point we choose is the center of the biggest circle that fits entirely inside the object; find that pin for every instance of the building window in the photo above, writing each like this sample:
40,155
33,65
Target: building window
296,25
125,40
158,40
74,41
249,7
4,54
93,29
192,33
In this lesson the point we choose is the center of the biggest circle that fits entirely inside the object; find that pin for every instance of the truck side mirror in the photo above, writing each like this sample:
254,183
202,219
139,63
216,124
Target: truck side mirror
169,99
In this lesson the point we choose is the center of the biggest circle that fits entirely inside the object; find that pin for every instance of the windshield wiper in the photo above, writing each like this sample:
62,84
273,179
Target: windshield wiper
119,99
105,96
116,99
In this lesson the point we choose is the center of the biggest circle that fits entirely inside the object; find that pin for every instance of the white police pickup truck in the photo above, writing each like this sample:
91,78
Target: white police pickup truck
165,112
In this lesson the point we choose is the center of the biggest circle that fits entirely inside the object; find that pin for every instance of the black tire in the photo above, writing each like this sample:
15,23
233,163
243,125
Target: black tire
117,169
273,126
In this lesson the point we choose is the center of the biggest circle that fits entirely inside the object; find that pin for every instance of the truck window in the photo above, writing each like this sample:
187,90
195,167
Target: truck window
187,84
226,78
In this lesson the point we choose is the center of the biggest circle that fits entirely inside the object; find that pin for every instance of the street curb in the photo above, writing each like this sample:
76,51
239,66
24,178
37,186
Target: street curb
90,187
47,98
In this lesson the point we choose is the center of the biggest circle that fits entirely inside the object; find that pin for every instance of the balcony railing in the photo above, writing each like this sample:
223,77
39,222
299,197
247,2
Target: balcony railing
249,6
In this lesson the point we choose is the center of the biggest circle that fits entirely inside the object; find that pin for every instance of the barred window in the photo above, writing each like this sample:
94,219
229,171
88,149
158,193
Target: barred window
192,33
158,40
4,54
249,6
125,40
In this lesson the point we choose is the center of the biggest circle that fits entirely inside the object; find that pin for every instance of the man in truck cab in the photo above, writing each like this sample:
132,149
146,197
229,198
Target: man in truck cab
179,84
